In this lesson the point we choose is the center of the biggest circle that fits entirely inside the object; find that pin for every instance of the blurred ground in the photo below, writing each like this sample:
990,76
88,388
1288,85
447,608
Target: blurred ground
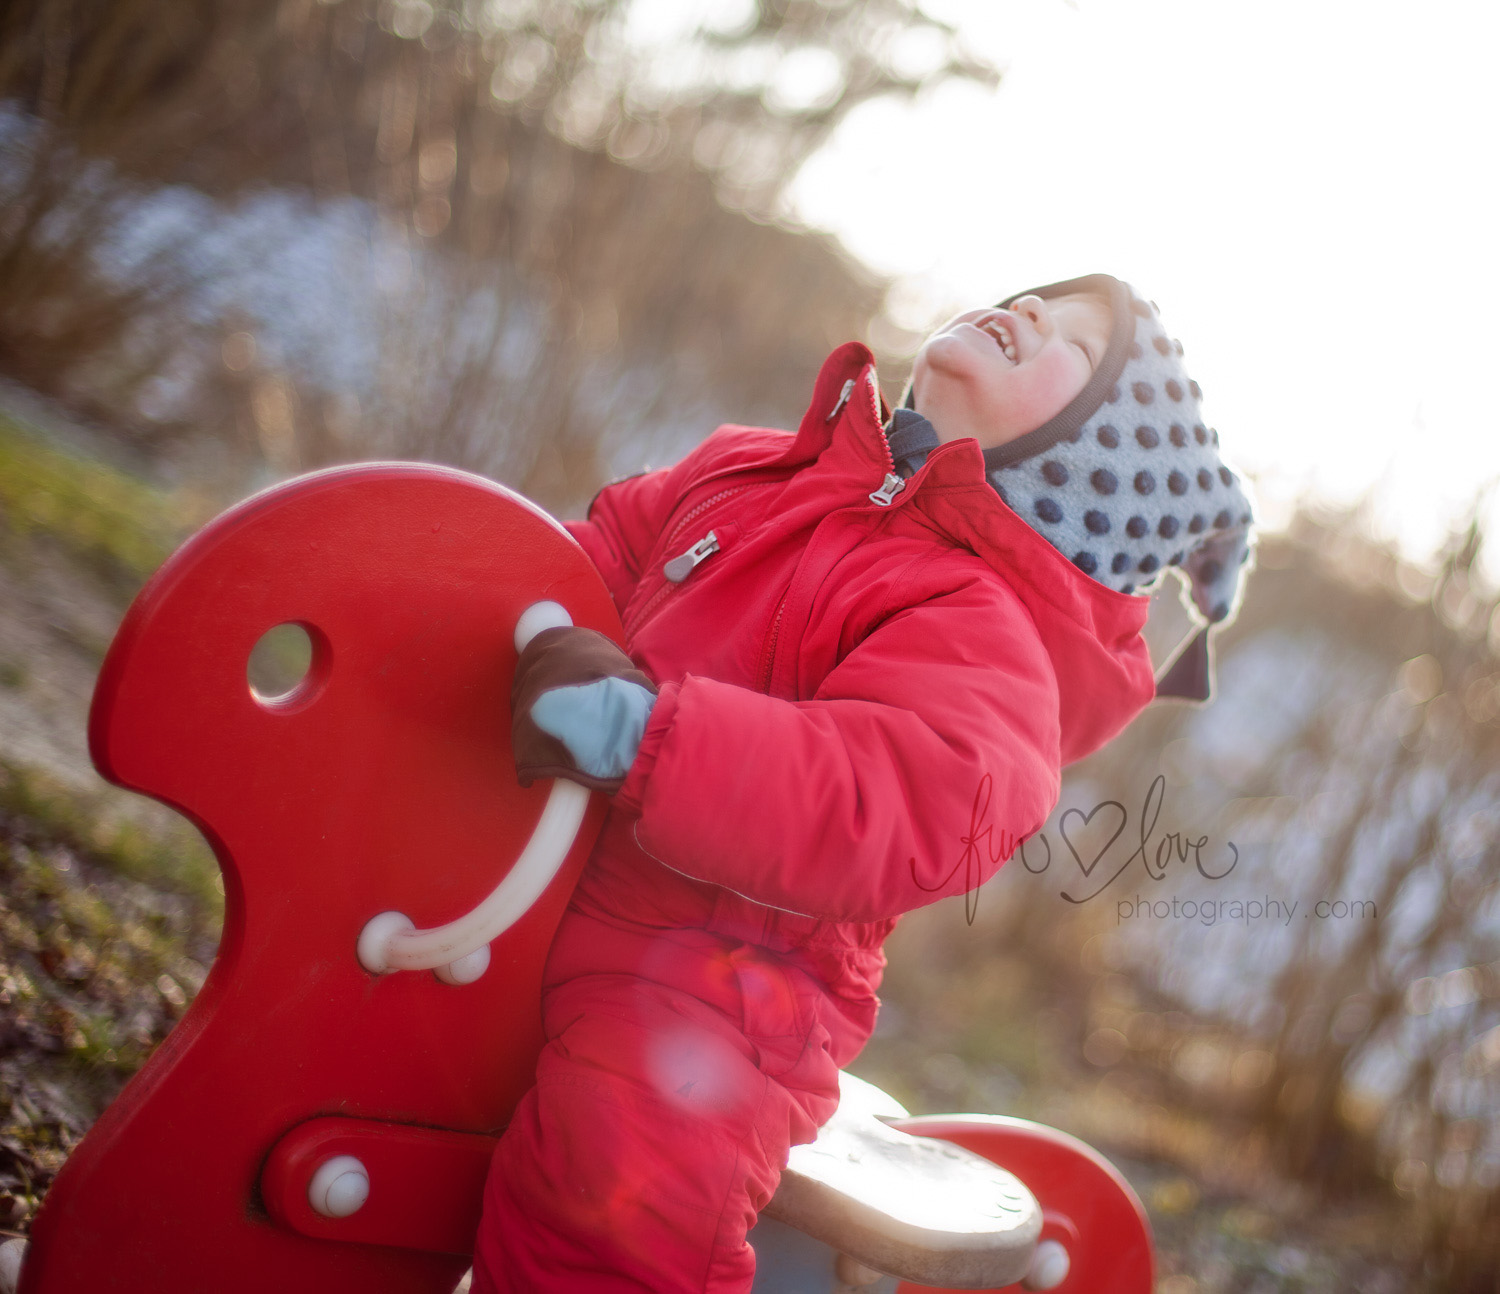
95,968
1012,1041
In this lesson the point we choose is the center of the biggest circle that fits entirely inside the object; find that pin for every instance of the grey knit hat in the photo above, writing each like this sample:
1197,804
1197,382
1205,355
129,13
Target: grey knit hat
1128,481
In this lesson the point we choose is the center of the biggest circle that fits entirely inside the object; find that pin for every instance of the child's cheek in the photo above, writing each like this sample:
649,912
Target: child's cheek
1049,387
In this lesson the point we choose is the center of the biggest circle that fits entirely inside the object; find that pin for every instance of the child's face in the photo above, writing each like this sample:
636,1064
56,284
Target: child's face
997,374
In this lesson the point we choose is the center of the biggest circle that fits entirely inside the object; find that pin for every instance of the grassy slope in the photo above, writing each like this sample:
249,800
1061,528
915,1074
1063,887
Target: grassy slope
109,910
120,526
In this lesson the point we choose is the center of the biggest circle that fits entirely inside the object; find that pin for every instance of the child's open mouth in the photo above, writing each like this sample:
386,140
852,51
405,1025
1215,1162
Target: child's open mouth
1002,335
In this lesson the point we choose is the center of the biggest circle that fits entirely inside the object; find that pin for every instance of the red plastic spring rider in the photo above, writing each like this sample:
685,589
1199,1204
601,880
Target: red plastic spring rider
321,1119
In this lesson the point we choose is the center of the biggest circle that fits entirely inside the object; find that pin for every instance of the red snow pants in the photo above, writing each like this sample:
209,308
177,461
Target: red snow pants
666,1100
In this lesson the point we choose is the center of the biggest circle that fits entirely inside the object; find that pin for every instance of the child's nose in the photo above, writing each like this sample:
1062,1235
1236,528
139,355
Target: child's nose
1035,309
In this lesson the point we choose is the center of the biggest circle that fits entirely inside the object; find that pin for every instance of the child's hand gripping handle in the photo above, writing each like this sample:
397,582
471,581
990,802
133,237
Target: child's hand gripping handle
460,951
579,708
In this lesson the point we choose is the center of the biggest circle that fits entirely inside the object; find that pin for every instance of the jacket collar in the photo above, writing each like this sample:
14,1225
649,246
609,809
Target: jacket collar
846,398
1091,632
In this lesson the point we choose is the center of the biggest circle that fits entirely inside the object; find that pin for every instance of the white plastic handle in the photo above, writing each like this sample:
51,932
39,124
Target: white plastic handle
459,951
391,941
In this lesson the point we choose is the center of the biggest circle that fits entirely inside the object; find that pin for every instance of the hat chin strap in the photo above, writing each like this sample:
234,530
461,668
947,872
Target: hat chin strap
1190,674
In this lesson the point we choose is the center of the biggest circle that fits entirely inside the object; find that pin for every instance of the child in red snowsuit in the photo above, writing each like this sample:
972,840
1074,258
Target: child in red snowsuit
858,658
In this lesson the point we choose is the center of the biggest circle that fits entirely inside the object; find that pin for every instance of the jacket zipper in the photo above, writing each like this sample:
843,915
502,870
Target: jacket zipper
697,510
890,459
890,487
769,656
652,603
678,568
843,400
694,512
681,566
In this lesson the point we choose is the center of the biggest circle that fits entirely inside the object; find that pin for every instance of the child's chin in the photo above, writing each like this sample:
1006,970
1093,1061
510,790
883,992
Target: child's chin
956,356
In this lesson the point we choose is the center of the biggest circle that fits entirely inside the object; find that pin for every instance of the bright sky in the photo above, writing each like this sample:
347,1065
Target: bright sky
1306,187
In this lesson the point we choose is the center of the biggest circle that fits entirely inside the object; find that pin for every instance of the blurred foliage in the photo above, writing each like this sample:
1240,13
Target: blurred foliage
346,96
1351,752
102,515
554,265
1012,1016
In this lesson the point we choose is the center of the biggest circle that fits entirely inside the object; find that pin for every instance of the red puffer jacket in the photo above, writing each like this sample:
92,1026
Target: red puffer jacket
852,689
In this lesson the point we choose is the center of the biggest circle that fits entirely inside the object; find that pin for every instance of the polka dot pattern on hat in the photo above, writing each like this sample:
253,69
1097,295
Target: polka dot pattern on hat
1126,495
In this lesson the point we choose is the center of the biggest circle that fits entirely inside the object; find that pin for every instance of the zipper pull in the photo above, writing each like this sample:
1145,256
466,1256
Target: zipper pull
843,400
681,566
889,489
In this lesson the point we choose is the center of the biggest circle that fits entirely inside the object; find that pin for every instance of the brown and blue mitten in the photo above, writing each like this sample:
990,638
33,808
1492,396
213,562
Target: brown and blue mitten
578,709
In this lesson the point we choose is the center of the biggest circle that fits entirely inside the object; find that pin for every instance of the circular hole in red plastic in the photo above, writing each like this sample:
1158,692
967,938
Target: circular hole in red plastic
281,664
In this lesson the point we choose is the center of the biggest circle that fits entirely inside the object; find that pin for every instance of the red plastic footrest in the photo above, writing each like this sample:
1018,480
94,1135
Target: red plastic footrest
425,1184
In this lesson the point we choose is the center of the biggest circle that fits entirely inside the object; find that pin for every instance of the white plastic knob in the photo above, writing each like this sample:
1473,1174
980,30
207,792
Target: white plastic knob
375,940
340,1187
1049,1266
466,969
539,616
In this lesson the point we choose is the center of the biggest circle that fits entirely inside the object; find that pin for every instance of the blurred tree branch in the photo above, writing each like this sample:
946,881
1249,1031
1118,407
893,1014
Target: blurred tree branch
546,171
